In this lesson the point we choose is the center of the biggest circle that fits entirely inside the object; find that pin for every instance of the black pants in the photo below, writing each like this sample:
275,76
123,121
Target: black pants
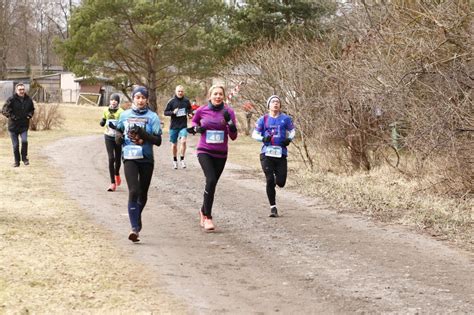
16,145
275,170
212,168
138,176
114,152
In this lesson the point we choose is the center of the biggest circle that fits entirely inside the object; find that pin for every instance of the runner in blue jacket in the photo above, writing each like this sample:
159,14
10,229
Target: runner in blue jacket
276,131
138,129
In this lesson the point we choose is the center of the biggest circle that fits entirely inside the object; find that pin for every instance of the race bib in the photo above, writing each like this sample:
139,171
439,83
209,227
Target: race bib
110,131
273,151
214,136
132,152
181,112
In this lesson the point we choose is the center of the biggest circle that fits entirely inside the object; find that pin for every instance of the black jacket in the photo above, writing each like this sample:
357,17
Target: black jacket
19,112
181,121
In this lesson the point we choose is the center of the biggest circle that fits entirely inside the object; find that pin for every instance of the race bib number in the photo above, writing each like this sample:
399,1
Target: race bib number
214,136
273,151
181,112
110,131
132,152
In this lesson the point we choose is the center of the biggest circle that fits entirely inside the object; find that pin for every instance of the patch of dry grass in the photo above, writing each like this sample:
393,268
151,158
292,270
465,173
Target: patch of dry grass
50,259
385,196
382,195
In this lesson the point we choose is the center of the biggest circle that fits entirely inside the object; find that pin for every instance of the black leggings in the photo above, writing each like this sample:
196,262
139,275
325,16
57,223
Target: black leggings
212,168
114,151
275,170
138,177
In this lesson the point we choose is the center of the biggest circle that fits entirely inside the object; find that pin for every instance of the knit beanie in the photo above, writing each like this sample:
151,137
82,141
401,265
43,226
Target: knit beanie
270,100
115,97
140,89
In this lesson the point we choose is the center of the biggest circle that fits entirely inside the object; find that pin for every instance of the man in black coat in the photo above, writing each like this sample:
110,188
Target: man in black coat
19,109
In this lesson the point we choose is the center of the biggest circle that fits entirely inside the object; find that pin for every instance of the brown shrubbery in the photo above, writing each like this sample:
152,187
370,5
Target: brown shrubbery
390,86
46,117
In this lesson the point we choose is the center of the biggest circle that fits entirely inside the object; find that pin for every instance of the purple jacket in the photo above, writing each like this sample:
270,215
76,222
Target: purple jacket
214,141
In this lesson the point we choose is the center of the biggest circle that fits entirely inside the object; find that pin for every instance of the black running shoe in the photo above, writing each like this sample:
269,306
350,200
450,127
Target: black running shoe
273,213
133,236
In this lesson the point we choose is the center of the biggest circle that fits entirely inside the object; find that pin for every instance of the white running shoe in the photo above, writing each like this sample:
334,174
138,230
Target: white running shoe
183,164
175,165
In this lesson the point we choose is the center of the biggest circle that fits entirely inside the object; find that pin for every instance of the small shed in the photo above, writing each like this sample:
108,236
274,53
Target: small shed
57,87
47,88
94,90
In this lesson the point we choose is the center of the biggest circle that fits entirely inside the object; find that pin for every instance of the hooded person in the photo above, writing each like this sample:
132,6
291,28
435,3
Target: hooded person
276,131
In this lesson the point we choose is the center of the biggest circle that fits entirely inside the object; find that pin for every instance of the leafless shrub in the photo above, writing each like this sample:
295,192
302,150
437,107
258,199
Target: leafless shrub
3,125
46,117
390,85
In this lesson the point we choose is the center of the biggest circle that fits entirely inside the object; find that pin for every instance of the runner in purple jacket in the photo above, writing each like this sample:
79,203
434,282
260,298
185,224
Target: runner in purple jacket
216,123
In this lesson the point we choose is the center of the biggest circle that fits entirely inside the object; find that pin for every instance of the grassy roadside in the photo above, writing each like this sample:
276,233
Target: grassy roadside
50,259
383,195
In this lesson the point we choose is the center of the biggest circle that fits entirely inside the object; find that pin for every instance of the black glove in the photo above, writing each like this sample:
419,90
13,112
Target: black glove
286,142
157,140
191,130
133,135
119,138
226,116
196,129
112,126
200,129
141,132
102,122
267,139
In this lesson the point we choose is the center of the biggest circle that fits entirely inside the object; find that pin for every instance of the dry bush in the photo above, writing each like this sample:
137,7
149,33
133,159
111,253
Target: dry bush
390,82
3,125
46,117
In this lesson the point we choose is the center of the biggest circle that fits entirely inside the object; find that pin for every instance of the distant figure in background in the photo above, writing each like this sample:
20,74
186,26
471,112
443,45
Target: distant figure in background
19,109
111,115
276,131
178,108
194,107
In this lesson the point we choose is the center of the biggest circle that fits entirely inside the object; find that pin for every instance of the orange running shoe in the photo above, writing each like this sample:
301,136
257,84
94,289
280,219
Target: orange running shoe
208,225
202,217
118,180
112,187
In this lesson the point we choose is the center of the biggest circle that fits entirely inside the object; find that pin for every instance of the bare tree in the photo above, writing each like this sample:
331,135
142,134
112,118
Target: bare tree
8,22
390,84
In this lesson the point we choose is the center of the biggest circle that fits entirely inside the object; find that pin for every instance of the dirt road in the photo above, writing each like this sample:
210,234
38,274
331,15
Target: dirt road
311,260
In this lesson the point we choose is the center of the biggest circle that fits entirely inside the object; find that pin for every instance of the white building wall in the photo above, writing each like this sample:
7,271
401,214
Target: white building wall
69,88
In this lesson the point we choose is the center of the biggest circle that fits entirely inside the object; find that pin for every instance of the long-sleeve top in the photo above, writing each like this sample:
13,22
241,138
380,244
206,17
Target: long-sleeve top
278,128
146,119
113,117
179,120
214,141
